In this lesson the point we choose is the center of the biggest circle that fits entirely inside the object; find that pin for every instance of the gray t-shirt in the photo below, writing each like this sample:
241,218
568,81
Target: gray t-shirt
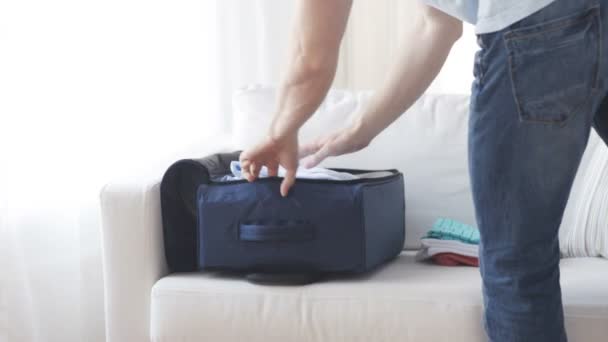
489,15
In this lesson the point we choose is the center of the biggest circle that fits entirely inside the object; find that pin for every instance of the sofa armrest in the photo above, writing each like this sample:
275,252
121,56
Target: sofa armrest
133,252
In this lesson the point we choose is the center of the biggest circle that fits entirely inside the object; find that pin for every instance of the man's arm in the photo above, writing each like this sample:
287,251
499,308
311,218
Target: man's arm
425,50
316,38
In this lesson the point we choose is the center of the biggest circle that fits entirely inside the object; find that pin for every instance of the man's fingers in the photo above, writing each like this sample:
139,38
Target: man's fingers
308,149
318,157
255,169
273,169
245,163
249,172
288,181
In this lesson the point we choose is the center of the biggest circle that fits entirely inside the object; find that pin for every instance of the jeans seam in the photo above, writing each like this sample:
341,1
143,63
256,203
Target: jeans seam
512,35
513,90
481,65
600,44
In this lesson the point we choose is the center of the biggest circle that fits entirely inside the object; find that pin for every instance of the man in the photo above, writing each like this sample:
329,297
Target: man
539,88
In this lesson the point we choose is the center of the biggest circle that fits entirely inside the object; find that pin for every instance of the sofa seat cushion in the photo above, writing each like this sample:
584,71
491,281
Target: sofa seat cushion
402,301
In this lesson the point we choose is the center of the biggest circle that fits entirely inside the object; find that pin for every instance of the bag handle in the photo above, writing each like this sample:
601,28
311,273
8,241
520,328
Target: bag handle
286,231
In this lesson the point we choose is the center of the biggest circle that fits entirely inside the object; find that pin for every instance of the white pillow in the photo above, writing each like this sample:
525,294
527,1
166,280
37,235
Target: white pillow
584,229
428,144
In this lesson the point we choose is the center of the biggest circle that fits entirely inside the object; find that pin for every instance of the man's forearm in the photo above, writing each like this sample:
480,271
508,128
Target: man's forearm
301,94
427,47
316,38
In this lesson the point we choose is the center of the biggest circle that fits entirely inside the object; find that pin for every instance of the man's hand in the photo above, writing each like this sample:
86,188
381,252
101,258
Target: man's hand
272,152
338,143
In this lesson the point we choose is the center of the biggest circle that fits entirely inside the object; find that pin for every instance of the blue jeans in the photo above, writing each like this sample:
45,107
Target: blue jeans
539,89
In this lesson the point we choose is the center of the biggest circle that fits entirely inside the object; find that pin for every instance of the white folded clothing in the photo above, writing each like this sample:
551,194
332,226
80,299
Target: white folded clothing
430,242
303,173
431,247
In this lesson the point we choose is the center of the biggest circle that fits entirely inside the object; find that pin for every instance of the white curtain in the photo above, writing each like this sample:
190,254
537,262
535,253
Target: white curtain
91,90
253,43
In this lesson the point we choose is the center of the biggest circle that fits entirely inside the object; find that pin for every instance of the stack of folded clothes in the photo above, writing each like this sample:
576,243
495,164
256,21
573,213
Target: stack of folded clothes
451,243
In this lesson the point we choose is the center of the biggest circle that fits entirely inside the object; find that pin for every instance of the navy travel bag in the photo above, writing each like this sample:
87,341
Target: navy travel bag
321,227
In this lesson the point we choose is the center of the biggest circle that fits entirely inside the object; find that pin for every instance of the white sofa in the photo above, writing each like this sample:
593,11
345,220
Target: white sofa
403,301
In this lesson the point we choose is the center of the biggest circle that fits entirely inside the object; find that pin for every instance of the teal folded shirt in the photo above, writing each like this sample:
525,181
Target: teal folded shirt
448,229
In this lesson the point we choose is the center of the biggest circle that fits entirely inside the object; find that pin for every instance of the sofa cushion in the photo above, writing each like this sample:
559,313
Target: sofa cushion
403,301
428,144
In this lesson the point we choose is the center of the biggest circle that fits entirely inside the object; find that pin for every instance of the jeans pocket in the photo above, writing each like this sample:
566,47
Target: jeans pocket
554,66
